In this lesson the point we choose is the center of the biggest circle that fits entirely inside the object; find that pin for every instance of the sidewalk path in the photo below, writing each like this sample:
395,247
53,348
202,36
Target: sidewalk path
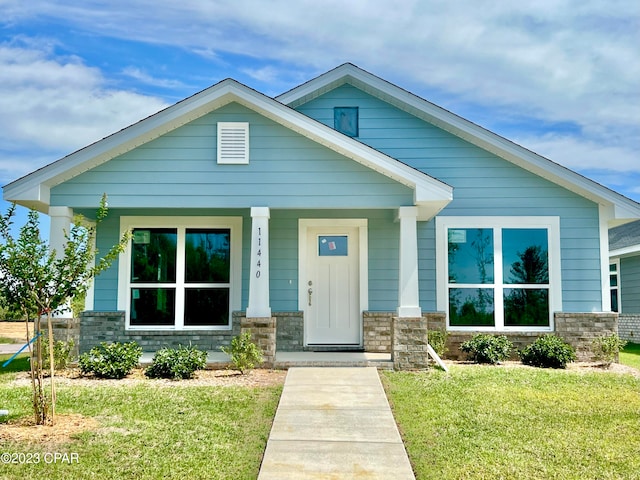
334,423
10,348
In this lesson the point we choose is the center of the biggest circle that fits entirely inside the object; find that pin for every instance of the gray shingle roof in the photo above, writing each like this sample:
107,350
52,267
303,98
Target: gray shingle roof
624,235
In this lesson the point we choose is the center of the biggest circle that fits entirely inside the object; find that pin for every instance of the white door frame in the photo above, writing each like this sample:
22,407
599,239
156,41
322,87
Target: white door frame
362,224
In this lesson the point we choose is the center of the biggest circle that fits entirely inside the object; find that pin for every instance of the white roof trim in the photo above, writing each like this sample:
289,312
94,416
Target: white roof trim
33,189
624,208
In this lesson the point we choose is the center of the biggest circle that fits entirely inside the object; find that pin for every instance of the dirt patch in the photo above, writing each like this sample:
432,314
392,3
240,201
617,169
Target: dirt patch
65,427
213,378
16,331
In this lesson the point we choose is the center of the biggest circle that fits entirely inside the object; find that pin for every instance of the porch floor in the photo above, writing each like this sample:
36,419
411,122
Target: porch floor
286,360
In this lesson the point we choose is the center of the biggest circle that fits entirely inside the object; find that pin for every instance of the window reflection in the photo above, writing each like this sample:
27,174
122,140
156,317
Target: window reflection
526,307
471,255
207,255
154,255
525,256
471,307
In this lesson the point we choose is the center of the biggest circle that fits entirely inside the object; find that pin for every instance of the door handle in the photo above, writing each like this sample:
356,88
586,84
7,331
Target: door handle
310,291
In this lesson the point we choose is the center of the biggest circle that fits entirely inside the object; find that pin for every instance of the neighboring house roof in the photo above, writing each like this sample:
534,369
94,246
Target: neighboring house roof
625,239
33,190
622,208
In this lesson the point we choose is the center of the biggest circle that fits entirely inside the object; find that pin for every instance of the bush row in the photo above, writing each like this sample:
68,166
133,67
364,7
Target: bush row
547,351
117,360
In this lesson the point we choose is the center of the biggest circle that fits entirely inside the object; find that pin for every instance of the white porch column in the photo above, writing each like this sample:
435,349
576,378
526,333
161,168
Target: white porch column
259,305
408,290
61,218
60,226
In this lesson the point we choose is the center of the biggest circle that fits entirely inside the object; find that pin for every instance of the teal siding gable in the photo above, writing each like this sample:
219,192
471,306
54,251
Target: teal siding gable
484,185
286,170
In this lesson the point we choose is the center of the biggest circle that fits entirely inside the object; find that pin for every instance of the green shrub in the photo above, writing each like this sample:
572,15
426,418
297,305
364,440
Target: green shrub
176,363
548,351
61,353
111,360
485,348
438,341
243,352
607,347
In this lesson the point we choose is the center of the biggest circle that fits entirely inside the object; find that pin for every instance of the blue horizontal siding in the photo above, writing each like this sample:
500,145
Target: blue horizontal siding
286,170
630,284
484,185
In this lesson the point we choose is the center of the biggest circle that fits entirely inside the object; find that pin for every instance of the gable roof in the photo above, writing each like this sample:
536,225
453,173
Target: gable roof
621,208
33,190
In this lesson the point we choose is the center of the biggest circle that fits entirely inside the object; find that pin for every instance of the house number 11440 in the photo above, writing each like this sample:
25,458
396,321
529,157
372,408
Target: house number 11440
259,252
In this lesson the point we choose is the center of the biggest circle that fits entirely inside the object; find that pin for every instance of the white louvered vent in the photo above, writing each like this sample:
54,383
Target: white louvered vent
233,142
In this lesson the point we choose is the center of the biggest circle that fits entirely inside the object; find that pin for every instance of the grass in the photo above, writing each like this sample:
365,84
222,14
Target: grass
18,364
6,340
630,355
497,422
147,431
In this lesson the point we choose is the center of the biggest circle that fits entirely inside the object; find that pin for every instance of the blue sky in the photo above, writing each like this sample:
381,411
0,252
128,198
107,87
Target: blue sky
559,77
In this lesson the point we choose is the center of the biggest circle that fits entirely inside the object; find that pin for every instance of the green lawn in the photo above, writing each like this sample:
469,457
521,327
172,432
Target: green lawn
630,355
480,422
149,432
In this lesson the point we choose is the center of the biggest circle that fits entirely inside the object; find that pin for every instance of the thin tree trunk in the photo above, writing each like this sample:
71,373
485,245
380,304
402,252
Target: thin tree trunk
32,366
51,368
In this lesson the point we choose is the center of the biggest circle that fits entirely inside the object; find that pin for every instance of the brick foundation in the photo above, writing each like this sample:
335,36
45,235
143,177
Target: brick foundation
377,332
263,334
629,327
65,329
409,343
290,331
579,329
96,327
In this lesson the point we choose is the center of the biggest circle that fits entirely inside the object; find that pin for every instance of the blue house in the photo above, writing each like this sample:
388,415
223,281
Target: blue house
624,275
345,214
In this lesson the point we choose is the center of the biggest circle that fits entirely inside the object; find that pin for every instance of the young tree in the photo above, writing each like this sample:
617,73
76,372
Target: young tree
39,281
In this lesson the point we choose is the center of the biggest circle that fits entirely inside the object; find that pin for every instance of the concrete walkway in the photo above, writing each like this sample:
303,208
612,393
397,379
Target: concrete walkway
10,348
334,423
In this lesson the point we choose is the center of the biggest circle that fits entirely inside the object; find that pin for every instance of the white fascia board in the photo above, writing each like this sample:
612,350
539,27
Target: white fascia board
625,252
624,208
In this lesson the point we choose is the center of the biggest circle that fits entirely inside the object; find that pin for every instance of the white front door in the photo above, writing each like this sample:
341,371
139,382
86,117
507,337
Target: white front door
331,287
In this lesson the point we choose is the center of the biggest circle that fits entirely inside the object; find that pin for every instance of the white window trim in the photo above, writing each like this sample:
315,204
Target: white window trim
616,262
128,223
552,224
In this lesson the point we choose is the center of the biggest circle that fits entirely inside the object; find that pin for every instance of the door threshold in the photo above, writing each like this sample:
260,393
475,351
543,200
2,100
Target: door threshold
333,348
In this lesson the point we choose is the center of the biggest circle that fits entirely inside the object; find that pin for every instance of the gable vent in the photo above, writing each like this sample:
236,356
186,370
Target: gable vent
233,142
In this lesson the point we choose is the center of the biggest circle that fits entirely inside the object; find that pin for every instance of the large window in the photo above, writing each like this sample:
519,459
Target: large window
500,273
181,277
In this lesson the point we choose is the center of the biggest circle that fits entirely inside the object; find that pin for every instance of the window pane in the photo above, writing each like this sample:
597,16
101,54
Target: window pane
614,299
206,306
613,267
153,306
525,256
207,255
345,120
526,307
470,255
471,307
613,280
154,255
333,245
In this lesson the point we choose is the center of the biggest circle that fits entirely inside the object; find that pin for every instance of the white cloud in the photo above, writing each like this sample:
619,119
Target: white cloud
57,105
